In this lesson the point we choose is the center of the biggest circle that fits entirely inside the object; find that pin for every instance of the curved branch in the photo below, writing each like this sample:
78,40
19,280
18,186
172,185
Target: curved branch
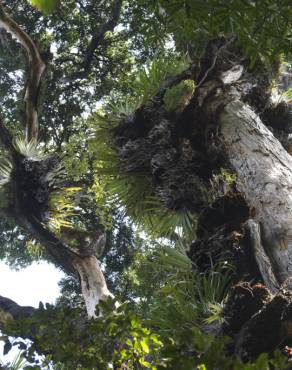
36,69
93,283
9,310
58,250
96,41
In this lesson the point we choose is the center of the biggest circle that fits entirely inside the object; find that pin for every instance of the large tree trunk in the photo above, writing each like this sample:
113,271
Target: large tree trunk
264,171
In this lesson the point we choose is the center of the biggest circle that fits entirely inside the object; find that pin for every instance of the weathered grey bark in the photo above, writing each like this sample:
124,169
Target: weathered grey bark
264,172
93,284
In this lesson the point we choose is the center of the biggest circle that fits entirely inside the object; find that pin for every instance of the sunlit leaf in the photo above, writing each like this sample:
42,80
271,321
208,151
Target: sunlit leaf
45,6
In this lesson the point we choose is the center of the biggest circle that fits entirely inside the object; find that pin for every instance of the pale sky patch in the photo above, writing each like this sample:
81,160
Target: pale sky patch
29,286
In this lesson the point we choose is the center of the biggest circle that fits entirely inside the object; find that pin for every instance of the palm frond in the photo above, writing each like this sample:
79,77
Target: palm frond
5,171
134,192
29,149
121,109
145,86
175,259
197,298
211,290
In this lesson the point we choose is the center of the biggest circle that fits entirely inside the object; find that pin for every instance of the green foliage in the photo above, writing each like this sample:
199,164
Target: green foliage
34,249
45,6
133,191
190,296
146,84
5,171
75,153
288,94
177,97
61,208
261,28
168,335
181,301
118,337
149,79
227,175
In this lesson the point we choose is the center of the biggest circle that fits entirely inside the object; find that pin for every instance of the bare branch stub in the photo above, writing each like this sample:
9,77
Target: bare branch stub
36,69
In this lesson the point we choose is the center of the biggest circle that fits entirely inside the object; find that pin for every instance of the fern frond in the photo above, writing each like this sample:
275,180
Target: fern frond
150,78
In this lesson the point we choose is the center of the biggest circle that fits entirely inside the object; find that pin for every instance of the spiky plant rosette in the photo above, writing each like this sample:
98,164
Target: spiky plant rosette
33,181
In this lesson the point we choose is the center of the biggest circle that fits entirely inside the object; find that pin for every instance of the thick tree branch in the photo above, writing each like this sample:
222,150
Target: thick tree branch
93,283
96,40
9,310
36,69
59,251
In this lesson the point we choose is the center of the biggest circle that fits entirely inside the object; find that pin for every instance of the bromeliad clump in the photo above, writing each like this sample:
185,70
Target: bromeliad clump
30,178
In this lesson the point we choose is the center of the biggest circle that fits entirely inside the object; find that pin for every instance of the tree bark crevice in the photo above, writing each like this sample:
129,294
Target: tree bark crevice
260,256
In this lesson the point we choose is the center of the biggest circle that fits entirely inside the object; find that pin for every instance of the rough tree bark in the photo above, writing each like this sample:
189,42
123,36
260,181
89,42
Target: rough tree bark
264,176
264,170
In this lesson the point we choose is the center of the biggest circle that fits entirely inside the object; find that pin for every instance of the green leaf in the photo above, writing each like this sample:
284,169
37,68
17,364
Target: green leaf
45,6
144,346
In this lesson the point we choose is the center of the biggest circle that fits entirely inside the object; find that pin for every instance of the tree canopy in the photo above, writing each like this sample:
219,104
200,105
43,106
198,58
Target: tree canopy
145,151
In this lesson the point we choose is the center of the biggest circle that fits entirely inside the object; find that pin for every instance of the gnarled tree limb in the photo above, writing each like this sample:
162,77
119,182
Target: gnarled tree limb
36,69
